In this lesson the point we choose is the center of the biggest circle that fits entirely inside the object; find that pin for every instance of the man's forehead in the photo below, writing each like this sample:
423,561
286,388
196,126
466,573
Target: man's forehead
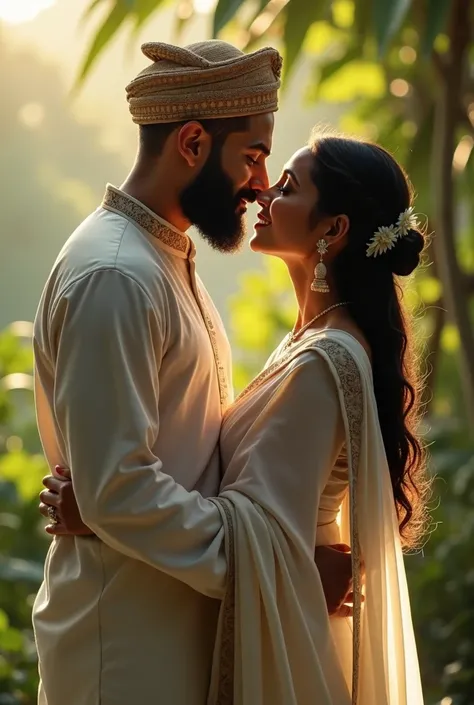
260,133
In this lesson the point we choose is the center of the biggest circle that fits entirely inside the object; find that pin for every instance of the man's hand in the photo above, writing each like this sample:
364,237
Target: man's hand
59,494
333,562
335,568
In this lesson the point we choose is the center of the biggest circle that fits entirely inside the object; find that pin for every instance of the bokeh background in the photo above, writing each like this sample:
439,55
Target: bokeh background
397,71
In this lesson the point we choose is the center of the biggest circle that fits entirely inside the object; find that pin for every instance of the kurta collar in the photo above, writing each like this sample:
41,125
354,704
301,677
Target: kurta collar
173,239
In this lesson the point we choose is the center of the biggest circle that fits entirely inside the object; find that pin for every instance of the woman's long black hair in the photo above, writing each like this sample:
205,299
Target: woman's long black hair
364,182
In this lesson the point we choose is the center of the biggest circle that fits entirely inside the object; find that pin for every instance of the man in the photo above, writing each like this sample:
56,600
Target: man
132,379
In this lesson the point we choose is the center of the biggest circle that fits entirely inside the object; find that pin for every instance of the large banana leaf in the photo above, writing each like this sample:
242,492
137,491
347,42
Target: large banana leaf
224,12
122,11
380,19
300,16
388,18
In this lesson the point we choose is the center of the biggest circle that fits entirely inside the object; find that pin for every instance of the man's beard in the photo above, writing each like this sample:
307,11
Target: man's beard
211,205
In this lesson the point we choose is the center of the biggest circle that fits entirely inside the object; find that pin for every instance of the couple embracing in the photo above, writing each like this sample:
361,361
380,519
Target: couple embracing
210,550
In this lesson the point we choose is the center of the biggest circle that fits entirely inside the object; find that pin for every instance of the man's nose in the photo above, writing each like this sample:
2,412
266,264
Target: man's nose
260,181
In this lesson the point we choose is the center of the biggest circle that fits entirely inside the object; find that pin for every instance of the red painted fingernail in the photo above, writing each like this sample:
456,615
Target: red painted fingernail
59,469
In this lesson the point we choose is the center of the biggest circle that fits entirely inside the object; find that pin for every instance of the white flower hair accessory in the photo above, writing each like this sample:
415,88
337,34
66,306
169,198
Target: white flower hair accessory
407,221
385,237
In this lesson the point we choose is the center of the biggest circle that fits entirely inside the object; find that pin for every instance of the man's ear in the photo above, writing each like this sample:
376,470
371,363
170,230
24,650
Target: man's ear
194,143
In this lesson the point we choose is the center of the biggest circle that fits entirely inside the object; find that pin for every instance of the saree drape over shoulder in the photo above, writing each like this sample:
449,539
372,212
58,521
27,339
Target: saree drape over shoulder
282,442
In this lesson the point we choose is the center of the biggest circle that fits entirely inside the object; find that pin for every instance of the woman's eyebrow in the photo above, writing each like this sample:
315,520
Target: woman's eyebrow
293,176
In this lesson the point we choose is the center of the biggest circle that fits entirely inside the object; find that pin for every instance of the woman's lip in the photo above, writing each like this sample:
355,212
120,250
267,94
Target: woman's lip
263,220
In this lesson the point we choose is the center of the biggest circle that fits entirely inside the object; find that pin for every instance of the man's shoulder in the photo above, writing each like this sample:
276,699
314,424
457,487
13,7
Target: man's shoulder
109,242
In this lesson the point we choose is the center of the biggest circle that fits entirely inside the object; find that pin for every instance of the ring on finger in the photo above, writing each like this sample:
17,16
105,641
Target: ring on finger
53,515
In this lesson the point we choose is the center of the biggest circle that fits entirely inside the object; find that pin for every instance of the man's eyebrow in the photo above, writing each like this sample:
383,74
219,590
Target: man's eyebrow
292,174
261,147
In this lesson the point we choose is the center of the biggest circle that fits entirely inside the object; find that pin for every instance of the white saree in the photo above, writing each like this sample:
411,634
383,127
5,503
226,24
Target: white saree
276,644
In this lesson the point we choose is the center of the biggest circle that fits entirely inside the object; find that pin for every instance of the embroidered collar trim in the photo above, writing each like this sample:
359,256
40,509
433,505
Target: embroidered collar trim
121,202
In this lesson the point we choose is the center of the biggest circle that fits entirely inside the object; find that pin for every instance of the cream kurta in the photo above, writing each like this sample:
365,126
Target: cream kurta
132,376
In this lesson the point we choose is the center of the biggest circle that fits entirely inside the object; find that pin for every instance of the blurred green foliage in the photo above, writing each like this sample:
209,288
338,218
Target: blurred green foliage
53,173
23,544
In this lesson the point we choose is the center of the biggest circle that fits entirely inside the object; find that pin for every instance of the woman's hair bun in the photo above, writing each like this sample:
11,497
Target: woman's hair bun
404,258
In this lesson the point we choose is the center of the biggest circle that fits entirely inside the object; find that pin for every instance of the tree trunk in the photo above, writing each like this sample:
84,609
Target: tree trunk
455,294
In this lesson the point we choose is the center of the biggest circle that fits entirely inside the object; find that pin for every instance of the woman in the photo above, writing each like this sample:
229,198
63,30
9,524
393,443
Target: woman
327,430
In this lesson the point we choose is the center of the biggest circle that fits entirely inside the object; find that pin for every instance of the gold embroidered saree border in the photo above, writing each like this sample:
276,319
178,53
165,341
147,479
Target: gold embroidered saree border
353,399
269,372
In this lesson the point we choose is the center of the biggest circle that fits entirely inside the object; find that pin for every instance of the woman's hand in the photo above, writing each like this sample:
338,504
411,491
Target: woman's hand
334,564
58,504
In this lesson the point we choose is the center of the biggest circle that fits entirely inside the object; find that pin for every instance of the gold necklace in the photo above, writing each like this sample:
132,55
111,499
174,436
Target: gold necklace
295,335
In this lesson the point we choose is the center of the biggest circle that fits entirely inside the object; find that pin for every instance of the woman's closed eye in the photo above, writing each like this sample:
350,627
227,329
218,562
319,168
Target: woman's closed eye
284,188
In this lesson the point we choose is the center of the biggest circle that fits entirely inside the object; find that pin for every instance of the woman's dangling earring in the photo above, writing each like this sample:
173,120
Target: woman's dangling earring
319,282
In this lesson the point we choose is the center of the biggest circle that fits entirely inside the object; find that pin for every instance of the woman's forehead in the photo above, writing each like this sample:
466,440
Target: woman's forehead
301,161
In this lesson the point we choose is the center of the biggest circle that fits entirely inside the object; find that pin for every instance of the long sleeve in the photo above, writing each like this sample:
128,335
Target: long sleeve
108,342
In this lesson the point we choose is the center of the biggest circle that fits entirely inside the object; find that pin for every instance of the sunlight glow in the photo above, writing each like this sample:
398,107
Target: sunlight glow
204,7
31,115
399,87
463,152
18,11
17,380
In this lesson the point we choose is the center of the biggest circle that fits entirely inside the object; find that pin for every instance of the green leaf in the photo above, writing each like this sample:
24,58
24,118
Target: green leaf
354,80
327,70
388,17
301,14
89,10
437,15
224,12
109,28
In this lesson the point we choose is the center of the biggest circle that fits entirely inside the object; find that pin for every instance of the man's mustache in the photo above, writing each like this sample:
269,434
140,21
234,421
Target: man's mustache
248,195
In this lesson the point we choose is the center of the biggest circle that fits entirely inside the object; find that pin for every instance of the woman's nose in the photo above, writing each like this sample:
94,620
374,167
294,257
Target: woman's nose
264,198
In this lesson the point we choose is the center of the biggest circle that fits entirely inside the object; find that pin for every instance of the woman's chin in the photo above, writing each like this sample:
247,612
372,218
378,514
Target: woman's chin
261,239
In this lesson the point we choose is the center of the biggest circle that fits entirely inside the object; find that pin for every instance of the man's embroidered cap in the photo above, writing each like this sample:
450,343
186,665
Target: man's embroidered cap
210,79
